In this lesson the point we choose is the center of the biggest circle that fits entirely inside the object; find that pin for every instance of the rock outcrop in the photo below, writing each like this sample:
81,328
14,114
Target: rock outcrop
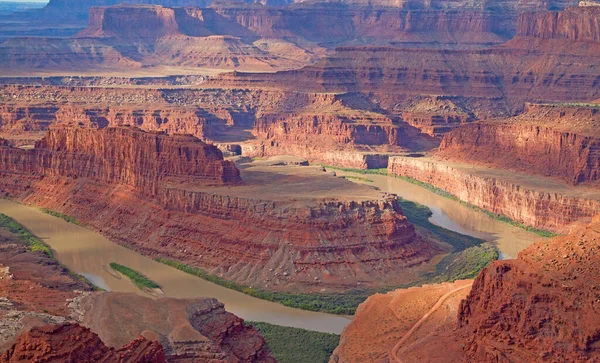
545,302
72,342
197,330
540,202
125,183
556,141
573,23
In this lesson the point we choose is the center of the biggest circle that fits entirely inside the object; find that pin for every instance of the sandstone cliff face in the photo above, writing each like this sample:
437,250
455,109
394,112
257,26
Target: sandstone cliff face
526,68
145,162
72,342
574,23
520,200
545,302
545,146
125,183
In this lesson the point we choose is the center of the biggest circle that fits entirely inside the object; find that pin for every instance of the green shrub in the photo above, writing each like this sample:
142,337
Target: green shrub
293,345
139,279
61,216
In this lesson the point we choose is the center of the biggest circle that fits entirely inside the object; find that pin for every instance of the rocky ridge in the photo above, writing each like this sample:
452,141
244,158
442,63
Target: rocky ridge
139,180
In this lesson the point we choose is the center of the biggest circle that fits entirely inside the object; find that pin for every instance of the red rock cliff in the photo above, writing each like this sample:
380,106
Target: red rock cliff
544,141
573,23
546,303
123,156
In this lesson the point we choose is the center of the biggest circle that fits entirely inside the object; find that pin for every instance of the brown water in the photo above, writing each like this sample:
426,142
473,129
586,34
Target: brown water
457,217
89,254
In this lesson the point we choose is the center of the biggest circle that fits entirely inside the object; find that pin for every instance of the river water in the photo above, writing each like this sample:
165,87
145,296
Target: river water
89,254
457,217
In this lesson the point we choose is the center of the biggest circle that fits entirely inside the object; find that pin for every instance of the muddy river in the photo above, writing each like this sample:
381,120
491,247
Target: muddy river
89,254
457,217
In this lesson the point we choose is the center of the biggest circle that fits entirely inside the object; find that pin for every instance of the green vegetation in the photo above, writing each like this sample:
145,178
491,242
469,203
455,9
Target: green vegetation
292,345
140,280
61,216
36,245
333,303
382,171
419,215
358,178
464,264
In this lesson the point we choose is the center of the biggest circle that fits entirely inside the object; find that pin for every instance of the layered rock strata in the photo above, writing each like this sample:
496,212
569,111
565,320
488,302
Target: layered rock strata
125,183
534,202
523,69
556,141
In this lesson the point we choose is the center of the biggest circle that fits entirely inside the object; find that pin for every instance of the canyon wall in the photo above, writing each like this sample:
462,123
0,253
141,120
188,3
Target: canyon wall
537,302
125,183
551,67
573,23
533,203
546,140
146,163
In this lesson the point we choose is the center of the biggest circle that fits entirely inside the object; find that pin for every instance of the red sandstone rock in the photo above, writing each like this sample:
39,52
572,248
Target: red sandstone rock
74,343
543,305
125,183
552,141
534,201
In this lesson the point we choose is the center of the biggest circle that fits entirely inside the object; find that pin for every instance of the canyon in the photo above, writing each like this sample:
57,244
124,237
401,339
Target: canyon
281,232
190,130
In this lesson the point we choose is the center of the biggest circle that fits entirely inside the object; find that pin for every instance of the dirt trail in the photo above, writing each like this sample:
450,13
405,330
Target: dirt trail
393,352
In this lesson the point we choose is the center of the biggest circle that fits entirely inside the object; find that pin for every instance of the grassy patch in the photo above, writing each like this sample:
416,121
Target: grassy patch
292,345
36,245
139,279
61,216
358,178
465,264
333,303
381,171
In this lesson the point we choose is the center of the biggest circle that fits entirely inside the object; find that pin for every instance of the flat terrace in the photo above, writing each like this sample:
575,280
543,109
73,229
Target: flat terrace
276,179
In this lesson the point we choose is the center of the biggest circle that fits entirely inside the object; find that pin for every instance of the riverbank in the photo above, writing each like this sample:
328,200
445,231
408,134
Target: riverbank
443,193
543,205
